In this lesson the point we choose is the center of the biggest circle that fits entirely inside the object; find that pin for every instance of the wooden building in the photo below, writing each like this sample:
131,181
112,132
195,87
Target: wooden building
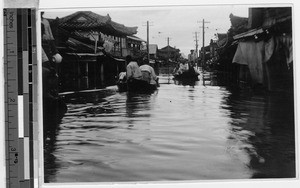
257,51
265,50
93,48
168,53
153,50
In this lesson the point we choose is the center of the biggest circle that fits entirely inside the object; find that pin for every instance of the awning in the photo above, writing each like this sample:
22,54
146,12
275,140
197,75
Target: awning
83,47
135,38
96,55
254,54
87,54
248,33
118,59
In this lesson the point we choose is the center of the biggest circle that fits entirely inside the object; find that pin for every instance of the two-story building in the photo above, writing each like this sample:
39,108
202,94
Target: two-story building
93,48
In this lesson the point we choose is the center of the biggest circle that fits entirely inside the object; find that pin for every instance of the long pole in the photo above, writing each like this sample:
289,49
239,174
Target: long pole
148,55
203,40
168,39
203,36
196,45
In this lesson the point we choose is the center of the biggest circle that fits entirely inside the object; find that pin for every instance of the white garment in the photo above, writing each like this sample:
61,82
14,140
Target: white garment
150,70
108,46
133,71
122,75
183,67
254,54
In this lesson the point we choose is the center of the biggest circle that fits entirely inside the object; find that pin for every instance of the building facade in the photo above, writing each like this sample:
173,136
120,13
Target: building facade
93,48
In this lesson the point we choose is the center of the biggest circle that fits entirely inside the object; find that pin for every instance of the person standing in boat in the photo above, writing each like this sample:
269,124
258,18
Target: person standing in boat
191,67
133,73
148,73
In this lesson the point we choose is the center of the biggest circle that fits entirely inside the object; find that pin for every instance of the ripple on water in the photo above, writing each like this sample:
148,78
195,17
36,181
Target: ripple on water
177,133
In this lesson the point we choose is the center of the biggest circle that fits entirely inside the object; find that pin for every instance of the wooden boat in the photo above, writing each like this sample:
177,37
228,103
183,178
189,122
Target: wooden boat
188,75
139,86
133,85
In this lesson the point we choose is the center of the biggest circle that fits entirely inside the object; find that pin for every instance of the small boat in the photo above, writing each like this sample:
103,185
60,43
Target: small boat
140,86
188,75
136,86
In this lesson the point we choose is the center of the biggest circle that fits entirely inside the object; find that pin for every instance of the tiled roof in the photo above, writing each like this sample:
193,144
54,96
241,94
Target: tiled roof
83,20
169,48
122,28
87,20
76,45
135,38
238,24
222,36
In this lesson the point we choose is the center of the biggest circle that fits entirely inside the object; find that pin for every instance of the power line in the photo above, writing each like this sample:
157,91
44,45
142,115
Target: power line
203,38
196,36
148,55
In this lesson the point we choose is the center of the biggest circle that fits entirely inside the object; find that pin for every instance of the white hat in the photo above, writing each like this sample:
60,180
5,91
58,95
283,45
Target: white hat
57,58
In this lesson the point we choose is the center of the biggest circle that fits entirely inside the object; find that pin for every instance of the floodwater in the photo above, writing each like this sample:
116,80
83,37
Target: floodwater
180,132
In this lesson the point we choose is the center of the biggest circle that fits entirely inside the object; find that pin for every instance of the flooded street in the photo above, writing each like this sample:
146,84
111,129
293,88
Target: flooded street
179,132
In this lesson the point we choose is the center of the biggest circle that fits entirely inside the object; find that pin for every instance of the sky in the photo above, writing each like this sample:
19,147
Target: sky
179,23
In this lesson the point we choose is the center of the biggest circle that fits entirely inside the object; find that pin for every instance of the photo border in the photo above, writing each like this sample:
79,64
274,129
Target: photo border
38,144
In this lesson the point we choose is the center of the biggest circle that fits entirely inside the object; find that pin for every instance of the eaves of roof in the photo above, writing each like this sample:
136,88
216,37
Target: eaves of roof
87,21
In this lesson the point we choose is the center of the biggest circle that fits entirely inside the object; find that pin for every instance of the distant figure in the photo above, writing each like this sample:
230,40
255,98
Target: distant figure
191,67
148,73
175,70
183,67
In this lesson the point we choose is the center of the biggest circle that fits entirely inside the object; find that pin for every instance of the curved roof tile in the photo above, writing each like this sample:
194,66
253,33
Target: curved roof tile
88,20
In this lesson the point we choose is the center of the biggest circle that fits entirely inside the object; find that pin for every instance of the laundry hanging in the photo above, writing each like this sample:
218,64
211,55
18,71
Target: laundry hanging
254,54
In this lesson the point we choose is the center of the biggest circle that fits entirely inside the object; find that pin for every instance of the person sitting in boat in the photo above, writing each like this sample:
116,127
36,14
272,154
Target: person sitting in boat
175,70
133,72
148,73
183,67
122,77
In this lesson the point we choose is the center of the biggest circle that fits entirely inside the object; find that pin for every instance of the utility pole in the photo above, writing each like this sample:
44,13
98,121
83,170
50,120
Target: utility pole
168,40
168,47
203,39
148,55
196,36
148,25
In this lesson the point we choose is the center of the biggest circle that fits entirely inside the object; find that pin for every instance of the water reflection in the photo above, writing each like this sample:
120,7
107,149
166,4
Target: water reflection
50,164
186,82
263,127
180,132
138,106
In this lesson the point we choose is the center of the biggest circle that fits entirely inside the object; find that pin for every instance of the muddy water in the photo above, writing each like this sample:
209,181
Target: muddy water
180,132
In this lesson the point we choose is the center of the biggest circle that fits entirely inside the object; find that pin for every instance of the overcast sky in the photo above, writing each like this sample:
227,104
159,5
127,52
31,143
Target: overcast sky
177,22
